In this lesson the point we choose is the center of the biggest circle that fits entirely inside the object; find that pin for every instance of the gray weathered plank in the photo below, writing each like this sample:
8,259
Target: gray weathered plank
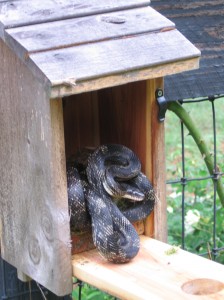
25,12
34,220
76,31
69,88
85,62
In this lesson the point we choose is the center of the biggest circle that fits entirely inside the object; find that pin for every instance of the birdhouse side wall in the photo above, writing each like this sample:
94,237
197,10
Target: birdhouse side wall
33,195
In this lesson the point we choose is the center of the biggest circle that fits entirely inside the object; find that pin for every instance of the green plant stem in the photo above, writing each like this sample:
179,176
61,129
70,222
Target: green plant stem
176,108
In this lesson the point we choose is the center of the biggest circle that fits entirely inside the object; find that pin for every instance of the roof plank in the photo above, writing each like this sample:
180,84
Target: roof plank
88,29
86,62
67,88
24,12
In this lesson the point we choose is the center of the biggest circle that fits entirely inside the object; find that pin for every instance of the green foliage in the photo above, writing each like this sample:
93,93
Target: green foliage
199,214
172,250
90,293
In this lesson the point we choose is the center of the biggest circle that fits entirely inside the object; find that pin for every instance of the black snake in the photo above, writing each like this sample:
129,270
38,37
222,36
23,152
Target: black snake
112,172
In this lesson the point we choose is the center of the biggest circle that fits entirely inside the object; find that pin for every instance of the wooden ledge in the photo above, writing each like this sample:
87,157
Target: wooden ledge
156,273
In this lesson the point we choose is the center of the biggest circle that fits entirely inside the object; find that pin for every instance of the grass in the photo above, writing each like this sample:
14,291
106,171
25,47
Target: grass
91,293
202,115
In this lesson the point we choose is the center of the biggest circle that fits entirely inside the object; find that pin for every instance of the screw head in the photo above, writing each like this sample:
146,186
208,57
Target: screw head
159,93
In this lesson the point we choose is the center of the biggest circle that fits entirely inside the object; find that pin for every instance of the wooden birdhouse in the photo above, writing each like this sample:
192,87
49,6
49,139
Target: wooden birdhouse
77,74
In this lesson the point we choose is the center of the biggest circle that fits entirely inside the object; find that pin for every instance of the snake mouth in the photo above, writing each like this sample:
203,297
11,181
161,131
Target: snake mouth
122,191
121,188
134,196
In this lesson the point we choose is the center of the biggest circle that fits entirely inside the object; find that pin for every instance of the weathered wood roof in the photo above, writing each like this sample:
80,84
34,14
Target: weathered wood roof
202,22
74,42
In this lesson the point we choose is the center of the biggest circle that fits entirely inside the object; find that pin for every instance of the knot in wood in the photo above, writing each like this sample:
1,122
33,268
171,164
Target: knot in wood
46,225
113,19
34,250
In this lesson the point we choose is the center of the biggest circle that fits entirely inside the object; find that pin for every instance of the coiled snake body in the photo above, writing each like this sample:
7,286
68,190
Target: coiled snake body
112,172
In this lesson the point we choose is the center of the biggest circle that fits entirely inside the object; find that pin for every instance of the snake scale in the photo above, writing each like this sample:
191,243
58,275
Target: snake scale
111,173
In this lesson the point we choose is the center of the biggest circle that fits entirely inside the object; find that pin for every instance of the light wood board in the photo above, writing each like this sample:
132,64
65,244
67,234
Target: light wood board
24,12
156,134
153,274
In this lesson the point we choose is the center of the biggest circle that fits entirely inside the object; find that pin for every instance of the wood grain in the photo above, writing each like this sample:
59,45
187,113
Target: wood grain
122,117
19,13
72,32
81,123
153,274
156,164
35,234
68,88
87,62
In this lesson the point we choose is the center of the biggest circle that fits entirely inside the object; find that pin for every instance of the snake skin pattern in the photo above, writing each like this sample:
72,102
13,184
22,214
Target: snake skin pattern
110,173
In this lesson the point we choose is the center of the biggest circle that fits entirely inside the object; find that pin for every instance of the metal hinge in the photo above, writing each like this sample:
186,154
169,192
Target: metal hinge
163,104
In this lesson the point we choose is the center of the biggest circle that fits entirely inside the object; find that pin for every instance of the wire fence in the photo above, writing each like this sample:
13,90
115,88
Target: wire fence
213,251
